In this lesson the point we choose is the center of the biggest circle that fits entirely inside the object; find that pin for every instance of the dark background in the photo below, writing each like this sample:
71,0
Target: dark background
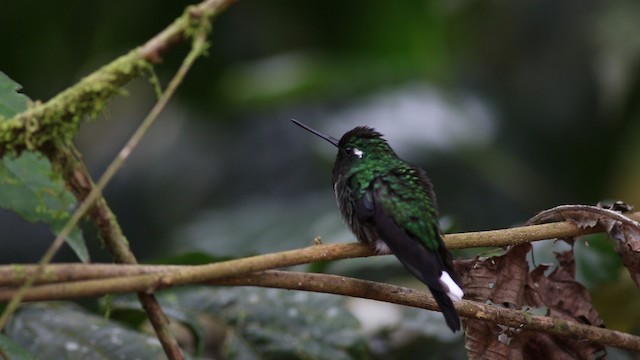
511,108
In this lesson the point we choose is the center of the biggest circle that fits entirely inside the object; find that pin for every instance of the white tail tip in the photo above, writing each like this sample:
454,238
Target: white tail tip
451,288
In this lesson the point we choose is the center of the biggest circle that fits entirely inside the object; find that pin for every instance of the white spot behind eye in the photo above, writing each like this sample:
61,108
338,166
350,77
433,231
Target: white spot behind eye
358,152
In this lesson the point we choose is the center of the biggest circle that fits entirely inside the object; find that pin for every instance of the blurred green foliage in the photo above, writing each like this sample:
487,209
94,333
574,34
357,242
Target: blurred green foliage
64,331
252,323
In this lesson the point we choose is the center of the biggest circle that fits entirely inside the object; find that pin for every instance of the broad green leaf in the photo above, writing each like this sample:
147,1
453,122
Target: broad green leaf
268,323
13,350
66,331
29,187
11,102
596,260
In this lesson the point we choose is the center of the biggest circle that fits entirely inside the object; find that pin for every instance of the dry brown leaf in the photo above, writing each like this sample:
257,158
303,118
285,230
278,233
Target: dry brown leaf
612,219
565,299
481,342
497,278
505,280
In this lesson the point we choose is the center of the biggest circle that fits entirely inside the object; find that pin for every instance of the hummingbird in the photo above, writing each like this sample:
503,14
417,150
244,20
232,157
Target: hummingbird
390,205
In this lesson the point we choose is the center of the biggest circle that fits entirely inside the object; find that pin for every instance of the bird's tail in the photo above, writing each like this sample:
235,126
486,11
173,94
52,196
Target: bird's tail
451,287
444,299
434,271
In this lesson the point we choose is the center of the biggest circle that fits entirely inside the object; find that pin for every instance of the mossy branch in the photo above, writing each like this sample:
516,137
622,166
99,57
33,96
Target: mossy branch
58,120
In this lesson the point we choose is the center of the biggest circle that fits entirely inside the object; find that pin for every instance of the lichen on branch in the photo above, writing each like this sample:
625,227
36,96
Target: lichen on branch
59,119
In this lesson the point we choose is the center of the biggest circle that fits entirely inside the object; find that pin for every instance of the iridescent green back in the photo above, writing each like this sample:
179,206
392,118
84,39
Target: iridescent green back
404,191
406,196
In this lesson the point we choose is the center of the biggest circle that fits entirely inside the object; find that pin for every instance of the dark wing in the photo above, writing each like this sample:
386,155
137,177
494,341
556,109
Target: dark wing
396,213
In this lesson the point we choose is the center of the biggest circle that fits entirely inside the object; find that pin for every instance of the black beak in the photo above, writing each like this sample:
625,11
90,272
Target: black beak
330,139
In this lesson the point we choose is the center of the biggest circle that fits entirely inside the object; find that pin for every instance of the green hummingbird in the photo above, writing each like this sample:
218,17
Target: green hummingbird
390,205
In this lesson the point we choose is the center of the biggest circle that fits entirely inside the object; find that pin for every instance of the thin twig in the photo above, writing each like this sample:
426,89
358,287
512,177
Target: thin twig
190,274
518,235
16,274
149,302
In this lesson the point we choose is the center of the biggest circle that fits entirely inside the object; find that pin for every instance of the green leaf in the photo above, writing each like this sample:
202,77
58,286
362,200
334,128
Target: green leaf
597,261
66,331
29,187
12,350
11,102
268,323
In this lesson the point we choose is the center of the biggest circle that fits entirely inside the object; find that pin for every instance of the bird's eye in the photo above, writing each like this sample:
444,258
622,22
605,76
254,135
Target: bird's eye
354,151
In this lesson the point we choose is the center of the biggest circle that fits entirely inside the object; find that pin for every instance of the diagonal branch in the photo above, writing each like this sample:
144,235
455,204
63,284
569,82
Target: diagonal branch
59,119
521,320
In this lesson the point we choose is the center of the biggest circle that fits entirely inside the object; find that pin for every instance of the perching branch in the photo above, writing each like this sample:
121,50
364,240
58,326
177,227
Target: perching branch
12,275
149,278
340,285
520,235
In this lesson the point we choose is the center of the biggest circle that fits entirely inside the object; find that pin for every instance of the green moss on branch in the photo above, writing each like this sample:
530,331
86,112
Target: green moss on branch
59,119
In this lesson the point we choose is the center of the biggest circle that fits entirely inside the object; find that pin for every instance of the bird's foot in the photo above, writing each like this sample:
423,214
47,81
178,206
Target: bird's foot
381,248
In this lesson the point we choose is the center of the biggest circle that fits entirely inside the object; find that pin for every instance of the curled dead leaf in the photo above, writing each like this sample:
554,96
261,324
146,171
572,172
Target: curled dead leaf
613,220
